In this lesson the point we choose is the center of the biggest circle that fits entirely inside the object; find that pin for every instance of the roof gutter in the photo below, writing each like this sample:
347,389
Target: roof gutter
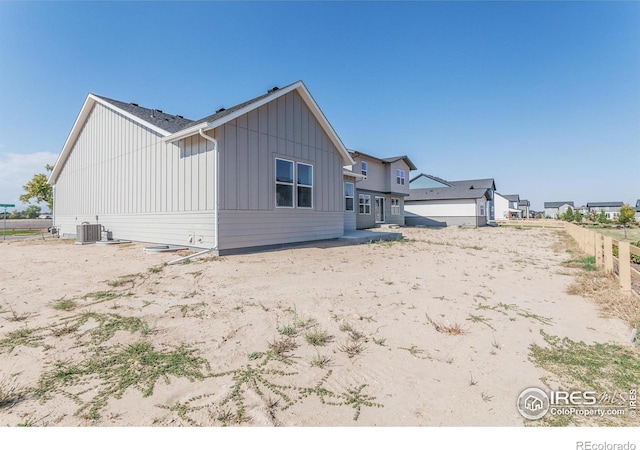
216,171
195,129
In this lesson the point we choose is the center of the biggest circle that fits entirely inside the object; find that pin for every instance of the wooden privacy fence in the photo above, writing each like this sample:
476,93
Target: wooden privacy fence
595,244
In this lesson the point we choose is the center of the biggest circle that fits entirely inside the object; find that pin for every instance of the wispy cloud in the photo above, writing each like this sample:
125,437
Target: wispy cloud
16,169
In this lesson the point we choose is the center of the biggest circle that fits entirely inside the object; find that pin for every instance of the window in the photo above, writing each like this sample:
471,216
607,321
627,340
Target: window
481,210
364,204
284,183
287,185
363,168
395,206
348,196
305,185
400,176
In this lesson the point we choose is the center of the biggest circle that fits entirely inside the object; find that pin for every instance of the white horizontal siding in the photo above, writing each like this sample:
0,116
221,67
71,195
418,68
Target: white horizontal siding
161,228
450,208
242,229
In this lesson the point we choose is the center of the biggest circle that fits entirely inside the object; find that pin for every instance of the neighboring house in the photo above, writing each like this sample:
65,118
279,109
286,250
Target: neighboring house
452,206
514,201
553,210
637,216
611,209
501,207
484,183
434,201
523,205
381,190
268,171
506,206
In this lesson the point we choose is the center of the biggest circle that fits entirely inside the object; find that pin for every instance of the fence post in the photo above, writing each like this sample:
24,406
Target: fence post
624,265
599,261
608,254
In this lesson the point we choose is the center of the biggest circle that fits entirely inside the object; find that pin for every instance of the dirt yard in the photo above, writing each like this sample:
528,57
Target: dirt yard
434,330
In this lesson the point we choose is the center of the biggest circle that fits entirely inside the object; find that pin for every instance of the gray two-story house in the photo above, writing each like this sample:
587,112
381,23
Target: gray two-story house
379,194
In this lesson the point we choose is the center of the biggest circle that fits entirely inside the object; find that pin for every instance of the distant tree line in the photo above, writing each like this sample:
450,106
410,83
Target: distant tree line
30,212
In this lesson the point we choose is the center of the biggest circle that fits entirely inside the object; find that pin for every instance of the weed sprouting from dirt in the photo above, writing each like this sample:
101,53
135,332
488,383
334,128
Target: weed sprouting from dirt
351,348
26,337
137,366
480,319
107,326
603,368
65,304
505,308
10,394
317,337
587,263
455,329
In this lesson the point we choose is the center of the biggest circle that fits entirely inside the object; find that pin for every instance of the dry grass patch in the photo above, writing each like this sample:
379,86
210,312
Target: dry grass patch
455,328
603,290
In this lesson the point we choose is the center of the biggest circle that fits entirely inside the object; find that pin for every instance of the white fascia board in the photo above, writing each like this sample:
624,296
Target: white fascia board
79,123
75,131
319,115
357,176
194,129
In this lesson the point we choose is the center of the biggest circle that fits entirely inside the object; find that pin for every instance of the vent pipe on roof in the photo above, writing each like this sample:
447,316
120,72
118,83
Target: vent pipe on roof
273,89
220,110
134,104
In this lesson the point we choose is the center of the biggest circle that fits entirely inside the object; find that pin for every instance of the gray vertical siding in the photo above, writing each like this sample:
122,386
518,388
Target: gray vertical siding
249,145
139,187
364,221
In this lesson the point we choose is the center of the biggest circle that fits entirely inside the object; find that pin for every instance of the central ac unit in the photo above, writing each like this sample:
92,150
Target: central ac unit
88,232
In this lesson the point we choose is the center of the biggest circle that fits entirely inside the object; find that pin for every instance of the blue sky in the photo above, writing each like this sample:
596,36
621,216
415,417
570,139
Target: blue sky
544,97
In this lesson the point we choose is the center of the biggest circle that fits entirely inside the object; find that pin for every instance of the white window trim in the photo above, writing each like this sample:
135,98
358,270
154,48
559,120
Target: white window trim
400,177
366,205
294,185
381,200
303,185
364,168
352,197
395,206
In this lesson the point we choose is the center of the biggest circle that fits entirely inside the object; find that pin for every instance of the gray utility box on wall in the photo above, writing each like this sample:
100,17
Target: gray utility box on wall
88,232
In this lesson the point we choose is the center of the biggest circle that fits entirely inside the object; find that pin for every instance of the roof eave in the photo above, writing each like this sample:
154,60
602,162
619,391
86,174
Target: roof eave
86,109
304,93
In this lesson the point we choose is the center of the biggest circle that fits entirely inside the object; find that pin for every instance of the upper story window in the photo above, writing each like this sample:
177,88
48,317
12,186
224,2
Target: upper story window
400,176
348,196
364,168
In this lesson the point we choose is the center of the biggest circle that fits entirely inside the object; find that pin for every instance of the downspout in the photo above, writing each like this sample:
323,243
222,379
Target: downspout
217,185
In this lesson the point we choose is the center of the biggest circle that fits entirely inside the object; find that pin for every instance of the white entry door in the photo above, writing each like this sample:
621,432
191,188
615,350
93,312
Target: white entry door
379,209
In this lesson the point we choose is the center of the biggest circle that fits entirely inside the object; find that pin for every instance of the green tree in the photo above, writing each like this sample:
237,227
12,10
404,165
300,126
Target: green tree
31,212
15,214
627,213
602,217
568,216
577,216
37,188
